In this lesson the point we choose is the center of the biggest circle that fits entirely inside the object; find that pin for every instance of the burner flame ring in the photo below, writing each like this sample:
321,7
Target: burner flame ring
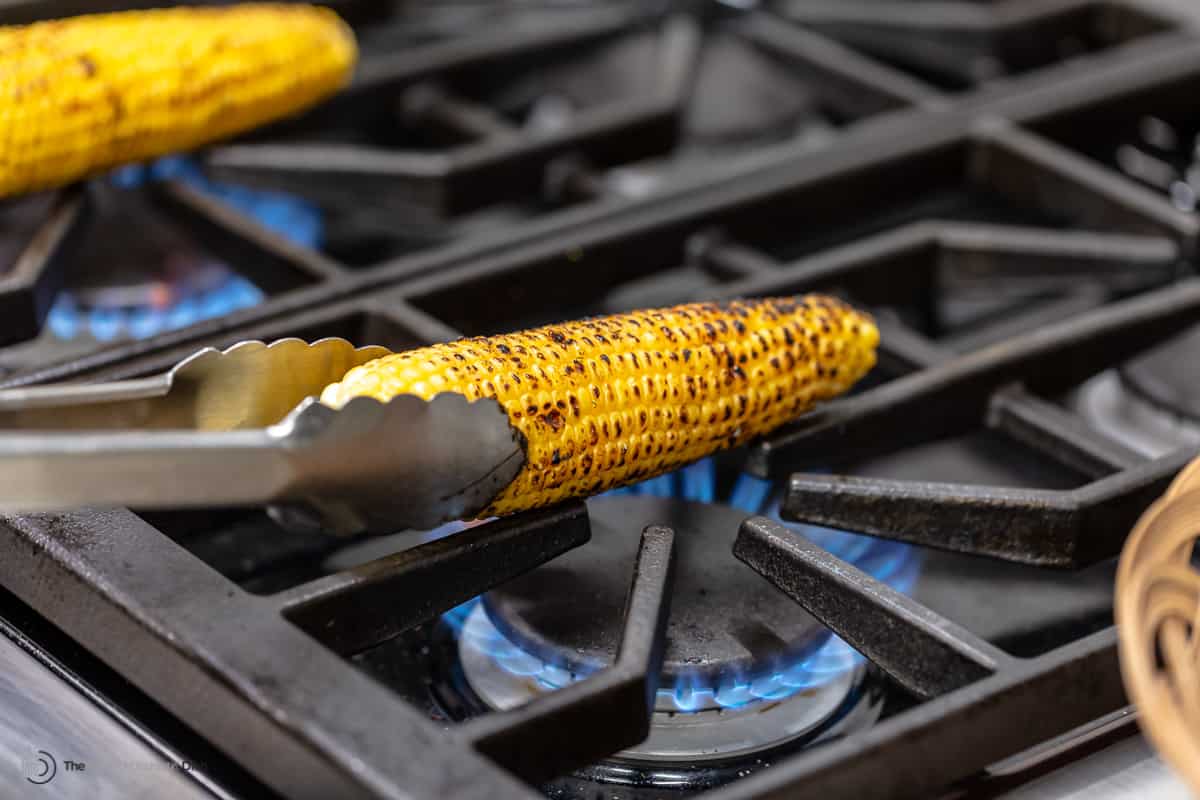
707,709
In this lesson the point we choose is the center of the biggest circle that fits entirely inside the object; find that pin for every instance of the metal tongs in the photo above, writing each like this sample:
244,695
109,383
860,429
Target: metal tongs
243,426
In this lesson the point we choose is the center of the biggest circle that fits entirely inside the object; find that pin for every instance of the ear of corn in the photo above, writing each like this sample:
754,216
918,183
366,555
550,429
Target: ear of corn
88,93
610,401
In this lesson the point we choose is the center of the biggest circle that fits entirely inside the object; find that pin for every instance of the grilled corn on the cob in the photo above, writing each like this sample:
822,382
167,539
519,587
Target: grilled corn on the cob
610,401
88,93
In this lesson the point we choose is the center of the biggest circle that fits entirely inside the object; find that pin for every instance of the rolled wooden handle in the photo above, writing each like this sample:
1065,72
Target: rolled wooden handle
1157,609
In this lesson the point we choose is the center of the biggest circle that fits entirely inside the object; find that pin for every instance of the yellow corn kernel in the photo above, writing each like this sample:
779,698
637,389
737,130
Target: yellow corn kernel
84,94
610,401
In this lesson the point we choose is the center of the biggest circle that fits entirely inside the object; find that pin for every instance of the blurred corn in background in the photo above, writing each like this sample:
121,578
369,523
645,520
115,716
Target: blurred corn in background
84,94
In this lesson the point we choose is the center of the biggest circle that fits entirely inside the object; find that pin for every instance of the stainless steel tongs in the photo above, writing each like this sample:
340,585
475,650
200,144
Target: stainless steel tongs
243,427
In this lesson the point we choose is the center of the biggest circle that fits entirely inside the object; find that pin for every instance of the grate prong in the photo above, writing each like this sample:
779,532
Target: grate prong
361,607
606,712
925,653
1069,529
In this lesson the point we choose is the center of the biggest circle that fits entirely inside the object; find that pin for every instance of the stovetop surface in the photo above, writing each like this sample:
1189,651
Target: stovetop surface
1009,186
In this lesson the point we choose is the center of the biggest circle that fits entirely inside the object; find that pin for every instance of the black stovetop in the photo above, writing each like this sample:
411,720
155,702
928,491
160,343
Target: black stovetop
1008,185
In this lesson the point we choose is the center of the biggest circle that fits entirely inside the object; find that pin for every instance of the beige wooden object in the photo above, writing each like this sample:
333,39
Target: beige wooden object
1157,611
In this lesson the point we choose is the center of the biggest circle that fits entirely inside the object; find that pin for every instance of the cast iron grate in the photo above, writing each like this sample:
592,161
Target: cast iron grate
961,45
578,108
505,116
468,99
1010,202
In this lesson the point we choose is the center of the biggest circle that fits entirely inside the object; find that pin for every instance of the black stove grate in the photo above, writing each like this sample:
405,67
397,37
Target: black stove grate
974,691
1006,259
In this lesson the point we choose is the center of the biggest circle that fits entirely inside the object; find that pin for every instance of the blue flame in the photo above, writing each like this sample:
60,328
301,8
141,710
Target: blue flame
750,493
893,563
285,214
699,481
68,320
831,660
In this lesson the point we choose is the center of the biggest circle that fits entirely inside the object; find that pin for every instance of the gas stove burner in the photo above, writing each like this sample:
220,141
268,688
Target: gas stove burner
743,97
161,280
724,724
1157,377
202,290
286,214
1164,155
1150,404
726,633
744,668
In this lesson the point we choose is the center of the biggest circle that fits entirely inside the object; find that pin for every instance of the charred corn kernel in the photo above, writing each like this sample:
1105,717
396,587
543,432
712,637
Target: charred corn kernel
88,93
614,400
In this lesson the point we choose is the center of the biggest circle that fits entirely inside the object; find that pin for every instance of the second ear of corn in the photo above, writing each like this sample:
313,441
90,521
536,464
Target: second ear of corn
610,401
84,94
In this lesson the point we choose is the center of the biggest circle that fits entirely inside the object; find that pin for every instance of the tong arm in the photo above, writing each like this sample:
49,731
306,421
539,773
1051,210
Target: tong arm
56,471
408,462
128,404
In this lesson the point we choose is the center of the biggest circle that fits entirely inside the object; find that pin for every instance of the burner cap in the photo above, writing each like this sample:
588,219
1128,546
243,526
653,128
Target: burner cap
1163,376
725,620
743,95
